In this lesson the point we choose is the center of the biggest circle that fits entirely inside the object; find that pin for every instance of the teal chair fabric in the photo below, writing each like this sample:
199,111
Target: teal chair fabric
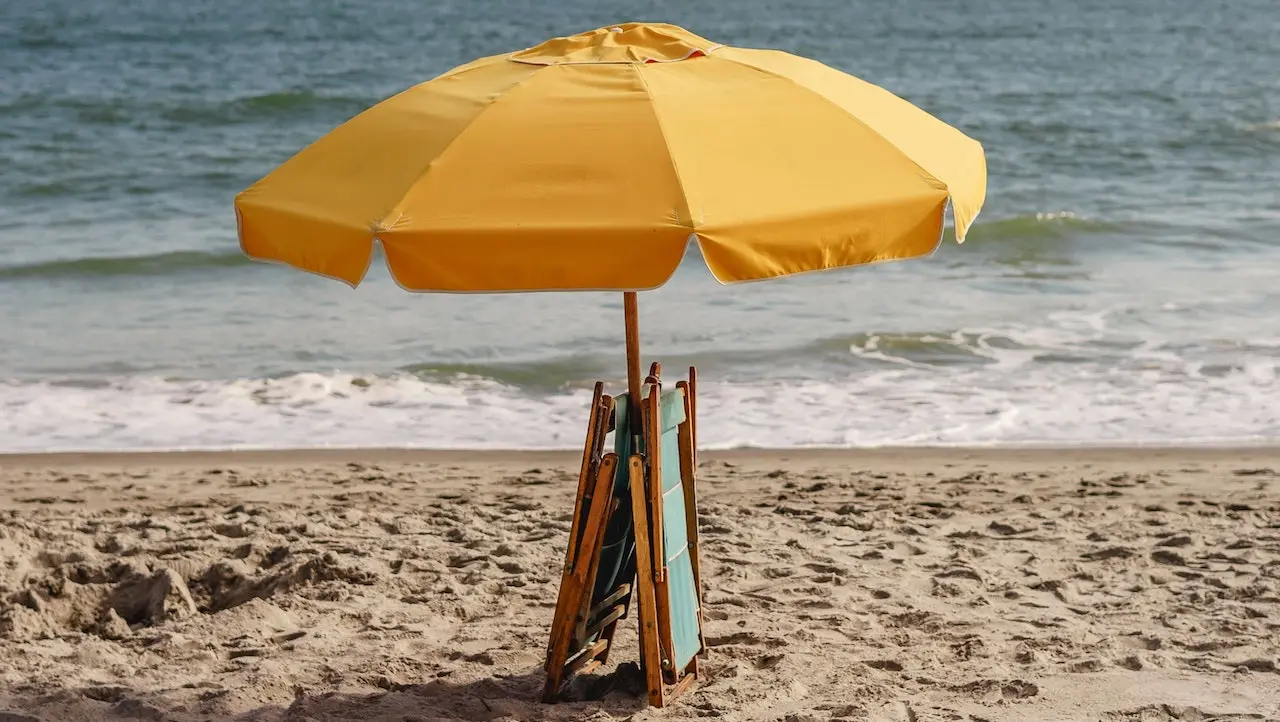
618,549
681,588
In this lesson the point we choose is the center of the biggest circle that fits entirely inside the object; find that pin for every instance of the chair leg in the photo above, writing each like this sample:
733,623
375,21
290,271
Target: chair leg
650,655
590,454
561,637
592,539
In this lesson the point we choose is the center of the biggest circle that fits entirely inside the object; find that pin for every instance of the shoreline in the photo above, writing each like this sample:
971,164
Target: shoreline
1269,451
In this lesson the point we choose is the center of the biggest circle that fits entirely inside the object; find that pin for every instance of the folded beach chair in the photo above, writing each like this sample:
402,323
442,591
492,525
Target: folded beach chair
634,530
668,577
596,584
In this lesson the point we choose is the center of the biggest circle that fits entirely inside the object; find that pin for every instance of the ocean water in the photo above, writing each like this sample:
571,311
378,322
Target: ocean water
1121,285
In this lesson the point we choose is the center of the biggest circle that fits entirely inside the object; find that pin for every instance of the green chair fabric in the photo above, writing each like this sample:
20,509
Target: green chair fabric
681,589
617,564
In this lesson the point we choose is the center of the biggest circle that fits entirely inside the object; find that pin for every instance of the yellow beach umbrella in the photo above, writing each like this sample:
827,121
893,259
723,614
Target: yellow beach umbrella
590,162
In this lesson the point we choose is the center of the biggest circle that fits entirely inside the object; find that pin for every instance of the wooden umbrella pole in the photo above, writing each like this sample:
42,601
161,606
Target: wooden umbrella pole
631,310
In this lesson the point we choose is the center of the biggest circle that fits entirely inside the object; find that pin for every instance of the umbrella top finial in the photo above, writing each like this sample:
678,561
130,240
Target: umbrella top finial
626,43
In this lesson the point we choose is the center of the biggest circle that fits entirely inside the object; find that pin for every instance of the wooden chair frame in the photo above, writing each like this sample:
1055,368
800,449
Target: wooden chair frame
582,634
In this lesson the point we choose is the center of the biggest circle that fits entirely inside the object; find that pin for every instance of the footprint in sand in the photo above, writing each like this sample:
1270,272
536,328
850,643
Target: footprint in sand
1171,713
1170,558
1108,553
998,690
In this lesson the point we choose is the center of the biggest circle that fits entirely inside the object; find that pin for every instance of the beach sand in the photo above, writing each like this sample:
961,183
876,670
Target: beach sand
886,585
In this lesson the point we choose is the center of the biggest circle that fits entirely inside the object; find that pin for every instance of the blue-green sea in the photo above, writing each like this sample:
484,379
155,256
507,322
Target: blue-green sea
1122,284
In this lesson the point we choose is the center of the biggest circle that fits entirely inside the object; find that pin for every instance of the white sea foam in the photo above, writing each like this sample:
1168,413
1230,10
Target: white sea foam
1154,397
1072,377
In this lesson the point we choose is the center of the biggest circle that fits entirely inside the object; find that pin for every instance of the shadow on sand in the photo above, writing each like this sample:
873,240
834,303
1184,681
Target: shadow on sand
619,694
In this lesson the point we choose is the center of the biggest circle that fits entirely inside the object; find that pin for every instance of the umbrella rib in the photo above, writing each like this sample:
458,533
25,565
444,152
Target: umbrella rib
675,167
467,68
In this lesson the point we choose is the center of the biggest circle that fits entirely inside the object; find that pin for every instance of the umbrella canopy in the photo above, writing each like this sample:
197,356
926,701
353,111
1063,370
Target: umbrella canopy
590,162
